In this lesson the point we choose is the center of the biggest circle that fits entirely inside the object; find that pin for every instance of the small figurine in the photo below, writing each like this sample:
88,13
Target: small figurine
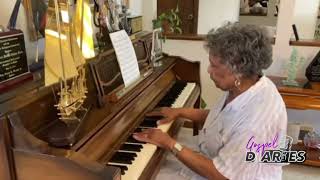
292,68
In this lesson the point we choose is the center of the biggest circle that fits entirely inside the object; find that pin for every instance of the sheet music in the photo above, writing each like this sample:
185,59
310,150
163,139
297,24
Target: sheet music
126,57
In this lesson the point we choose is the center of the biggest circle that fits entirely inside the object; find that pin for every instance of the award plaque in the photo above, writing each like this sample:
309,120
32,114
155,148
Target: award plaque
313,70
13,59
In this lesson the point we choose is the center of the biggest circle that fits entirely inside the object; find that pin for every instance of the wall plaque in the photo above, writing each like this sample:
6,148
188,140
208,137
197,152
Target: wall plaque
13,59
313,70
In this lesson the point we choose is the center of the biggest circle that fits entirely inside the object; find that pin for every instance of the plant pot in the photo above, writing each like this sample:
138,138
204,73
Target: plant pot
166,27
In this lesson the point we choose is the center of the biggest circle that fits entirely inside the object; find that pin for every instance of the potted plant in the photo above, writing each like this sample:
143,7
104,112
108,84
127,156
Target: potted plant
169,21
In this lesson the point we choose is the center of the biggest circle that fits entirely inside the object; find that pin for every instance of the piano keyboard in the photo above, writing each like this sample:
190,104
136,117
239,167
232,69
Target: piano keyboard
133,156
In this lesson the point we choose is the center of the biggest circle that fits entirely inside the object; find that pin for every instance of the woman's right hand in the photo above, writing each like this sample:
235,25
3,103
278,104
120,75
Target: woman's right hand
169,114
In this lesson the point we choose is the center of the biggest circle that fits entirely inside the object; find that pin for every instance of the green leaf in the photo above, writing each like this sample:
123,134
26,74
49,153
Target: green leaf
170,20
179,30
174,16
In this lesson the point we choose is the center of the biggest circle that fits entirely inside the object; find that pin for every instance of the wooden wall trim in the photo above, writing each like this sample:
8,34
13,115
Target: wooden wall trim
202,37
190,37
305,42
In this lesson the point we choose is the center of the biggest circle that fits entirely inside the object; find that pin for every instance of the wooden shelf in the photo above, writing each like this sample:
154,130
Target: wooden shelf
305,42
313,155
190,37
301,102
299,97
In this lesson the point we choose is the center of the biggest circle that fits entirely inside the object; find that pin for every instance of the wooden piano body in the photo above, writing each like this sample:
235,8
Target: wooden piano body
25,146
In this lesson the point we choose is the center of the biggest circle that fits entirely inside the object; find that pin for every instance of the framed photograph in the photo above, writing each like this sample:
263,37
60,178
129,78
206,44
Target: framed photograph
254,7
304,129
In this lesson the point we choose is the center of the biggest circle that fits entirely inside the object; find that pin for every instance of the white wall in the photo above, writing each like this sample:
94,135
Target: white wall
136,7
149,11
303,9
214,13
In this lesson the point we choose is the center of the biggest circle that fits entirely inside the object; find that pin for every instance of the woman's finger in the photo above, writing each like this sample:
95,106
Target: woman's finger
141,137
156,112
145,135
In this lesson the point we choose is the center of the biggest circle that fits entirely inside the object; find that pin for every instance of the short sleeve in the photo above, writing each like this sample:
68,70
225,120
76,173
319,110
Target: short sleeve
230,161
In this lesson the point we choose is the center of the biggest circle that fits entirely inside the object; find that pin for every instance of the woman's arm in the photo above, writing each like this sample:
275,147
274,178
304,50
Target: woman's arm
195,115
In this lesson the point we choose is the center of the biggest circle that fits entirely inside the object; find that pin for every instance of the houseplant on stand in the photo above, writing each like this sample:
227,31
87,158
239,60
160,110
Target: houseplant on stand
168,21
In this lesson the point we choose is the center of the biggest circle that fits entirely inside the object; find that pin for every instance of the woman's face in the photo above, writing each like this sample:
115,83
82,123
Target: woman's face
220,74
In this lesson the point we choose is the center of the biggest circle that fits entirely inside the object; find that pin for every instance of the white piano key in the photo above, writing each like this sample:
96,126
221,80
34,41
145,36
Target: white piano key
136,168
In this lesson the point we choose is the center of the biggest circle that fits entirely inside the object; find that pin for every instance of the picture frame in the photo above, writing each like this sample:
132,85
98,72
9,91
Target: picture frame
254,7
304,129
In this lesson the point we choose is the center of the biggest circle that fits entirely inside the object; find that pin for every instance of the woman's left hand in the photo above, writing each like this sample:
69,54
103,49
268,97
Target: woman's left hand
156,137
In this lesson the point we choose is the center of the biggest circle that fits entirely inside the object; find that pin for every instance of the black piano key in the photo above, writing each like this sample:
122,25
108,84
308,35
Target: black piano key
120,160
122,168
148,124
153,118
131,154
131,147
124,156
137,130
181,83
172,94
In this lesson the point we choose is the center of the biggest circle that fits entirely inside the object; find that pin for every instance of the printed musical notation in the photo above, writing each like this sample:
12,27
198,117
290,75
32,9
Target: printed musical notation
126,57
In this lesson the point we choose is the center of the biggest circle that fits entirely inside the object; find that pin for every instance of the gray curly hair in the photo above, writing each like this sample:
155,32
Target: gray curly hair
245,49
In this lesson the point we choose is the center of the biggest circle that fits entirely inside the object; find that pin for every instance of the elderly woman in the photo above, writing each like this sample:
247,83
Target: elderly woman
250,115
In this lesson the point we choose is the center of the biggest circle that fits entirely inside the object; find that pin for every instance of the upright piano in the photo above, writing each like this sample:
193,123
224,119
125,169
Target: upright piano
32,143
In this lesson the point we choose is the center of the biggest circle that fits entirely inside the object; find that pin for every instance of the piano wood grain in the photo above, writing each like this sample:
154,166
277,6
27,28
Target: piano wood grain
33,166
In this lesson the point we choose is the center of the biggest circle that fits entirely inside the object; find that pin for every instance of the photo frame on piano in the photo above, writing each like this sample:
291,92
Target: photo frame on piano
156,49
